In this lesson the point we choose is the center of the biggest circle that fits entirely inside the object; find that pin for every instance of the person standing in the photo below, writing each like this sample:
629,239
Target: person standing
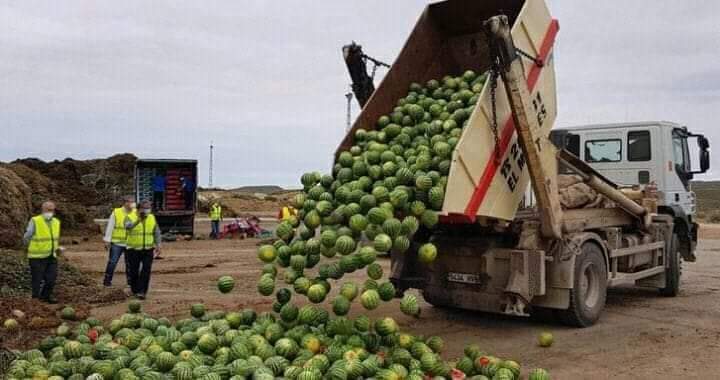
116,239
158,185
286,212
216,217
188,188
143,244
43,240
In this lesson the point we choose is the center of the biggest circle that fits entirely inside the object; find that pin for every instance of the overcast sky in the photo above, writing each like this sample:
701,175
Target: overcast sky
266,82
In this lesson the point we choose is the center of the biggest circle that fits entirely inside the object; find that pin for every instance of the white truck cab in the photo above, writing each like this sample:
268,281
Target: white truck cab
643,153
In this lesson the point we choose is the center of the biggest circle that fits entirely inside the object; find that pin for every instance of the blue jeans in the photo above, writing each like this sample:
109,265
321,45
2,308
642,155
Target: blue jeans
215,229
113,257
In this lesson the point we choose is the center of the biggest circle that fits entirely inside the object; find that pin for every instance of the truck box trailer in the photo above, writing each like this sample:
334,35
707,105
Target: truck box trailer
174,208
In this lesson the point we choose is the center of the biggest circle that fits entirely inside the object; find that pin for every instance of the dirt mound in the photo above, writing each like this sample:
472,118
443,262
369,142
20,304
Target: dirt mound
74,287
15,207
83,190
239,202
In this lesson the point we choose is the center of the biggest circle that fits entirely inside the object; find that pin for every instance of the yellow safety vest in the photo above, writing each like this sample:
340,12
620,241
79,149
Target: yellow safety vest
142,236
46,238
287,212
119,233
215,212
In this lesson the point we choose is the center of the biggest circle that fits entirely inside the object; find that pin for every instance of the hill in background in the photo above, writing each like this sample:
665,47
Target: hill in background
708,200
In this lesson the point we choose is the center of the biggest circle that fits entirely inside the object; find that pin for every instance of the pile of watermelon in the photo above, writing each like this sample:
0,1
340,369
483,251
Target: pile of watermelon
383,195
306,344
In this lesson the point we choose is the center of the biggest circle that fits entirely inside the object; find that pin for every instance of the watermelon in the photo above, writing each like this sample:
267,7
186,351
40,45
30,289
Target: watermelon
225,284
266,285
375,271
68,313
11,324
382,243
345,245
267,253
341,305
409,305
377,215
349,291
370,299
316,293
386,290
284,231
134,306
545,339
538,374
427,253
386,326
401,244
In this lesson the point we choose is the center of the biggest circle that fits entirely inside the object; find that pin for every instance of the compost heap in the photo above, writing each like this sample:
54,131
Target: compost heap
82,190
382,191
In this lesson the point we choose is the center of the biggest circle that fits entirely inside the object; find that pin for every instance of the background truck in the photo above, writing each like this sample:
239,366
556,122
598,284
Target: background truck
176,212
494,258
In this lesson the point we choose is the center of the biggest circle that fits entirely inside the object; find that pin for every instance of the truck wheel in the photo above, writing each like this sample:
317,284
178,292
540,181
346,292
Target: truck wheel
587,298
673,271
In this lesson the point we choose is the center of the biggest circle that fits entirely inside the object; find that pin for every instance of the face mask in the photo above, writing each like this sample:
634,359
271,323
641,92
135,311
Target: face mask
133,205
48,215
145,211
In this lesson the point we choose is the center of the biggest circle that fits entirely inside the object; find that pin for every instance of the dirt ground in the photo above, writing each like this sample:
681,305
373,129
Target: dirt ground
640,336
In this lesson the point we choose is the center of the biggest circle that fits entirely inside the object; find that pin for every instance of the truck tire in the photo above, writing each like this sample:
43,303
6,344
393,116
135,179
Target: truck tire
673,271
587,297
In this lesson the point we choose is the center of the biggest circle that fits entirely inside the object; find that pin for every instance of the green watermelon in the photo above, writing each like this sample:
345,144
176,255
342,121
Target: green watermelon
11,324
267,253
382,243
349,291
341,305
266,285
545,339
316,293
409,305
538,374
375,271
225,284
427,253
68,313
370,299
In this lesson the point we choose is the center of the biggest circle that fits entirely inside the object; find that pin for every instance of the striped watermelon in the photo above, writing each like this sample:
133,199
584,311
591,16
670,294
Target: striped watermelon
370,299
409,305
382,243
225,284
538,374
316,293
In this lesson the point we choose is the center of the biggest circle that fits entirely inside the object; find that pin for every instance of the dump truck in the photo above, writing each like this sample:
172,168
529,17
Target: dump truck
173,207
493,256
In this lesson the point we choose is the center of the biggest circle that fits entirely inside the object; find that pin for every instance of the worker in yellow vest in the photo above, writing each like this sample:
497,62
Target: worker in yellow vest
116,239
286,212
43,240
216,217
143,245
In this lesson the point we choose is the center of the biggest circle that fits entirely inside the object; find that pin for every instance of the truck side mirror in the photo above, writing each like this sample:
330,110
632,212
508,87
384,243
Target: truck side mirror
704,146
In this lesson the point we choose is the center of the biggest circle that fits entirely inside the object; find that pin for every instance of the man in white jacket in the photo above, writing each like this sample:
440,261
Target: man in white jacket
116,239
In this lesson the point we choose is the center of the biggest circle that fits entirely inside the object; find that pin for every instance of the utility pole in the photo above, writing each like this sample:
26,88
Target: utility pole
349,97
210,180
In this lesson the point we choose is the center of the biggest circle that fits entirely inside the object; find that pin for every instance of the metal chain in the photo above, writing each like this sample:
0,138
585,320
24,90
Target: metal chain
376,64
493,101
536,60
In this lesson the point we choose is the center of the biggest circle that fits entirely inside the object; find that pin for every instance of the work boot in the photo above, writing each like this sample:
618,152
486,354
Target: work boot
50,301
140,296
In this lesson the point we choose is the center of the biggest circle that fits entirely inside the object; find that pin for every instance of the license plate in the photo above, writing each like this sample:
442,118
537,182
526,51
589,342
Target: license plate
465,278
